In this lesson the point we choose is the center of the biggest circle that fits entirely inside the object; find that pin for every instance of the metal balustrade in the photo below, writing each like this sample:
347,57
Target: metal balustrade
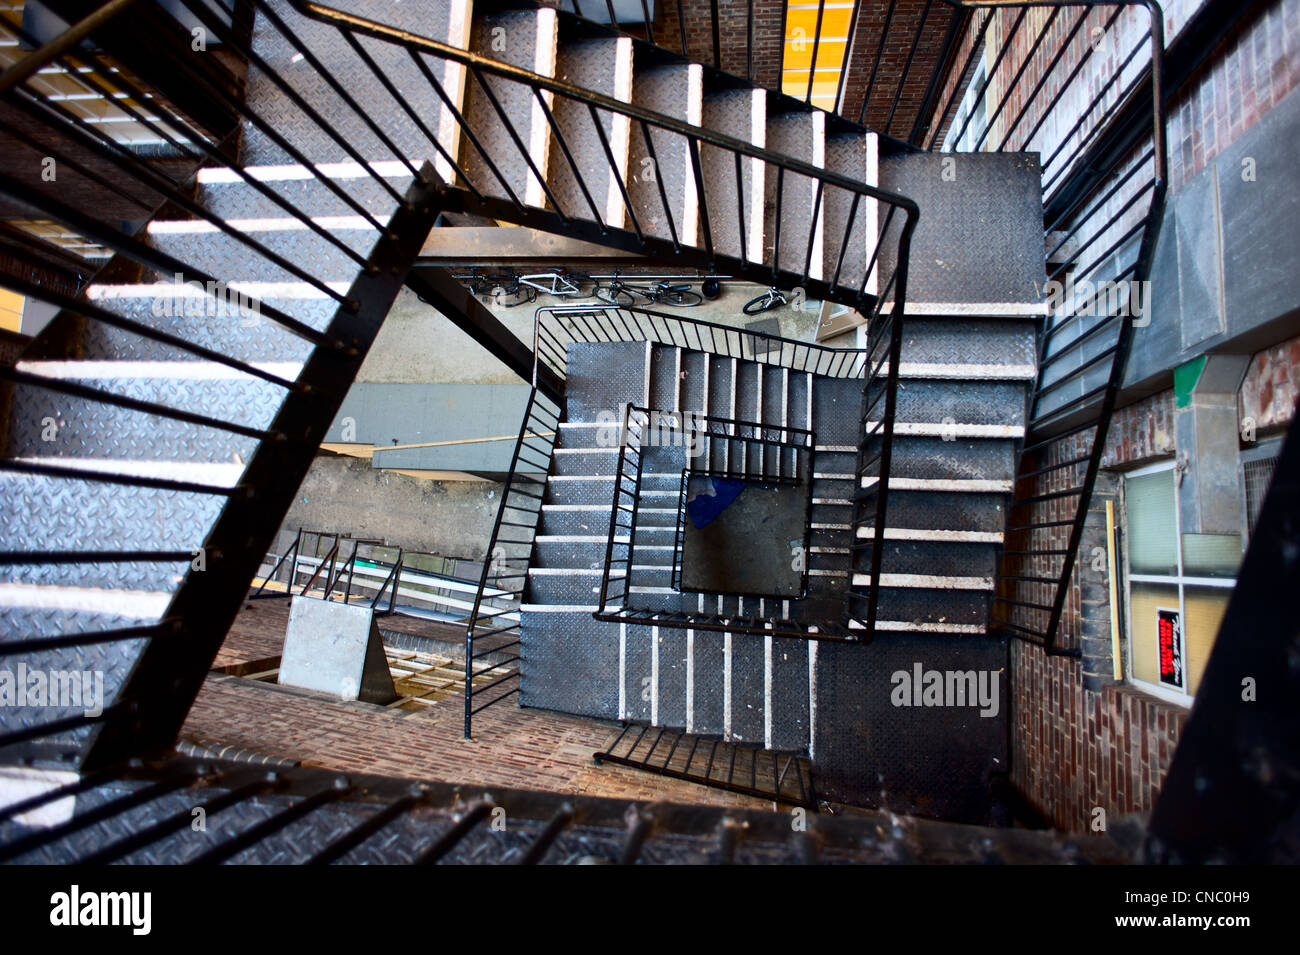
746,451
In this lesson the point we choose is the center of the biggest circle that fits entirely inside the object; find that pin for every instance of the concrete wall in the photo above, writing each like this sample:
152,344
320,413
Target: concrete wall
1223,278
448,518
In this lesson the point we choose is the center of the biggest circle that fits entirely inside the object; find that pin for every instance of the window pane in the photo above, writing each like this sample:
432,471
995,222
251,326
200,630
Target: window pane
1205,609
1152,523
1211,555
1145,603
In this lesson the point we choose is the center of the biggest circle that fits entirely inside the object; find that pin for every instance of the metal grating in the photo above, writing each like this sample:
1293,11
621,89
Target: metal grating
1256,476
711,761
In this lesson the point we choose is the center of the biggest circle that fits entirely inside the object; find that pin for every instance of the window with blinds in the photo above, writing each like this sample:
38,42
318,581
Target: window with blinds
1152,524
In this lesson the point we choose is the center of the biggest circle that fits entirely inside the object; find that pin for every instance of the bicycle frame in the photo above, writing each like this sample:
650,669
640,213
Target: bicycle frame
550,283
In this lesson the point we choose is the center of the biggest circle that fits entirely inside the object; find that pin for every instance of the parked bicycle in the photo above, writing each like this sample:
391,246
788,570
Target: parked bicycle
772,298
561,284
677,294
504,288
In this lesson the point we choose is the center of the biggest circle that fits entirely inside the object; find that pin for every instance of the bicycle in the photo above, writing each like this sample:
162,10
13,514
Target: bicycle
772,298
624,294
571,285
504,289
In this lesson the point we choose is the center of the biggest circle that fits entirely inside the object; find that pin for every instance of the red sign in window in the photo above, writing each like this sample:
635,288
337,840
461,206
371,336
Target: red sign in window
1170,632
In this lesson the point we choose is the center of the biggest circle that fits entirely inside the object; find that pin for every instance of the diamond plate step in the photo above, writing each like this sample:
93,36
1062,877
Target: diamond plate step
567,663
740,114
605,376
219,323
794,227
602,66
527,39
675,91
854,156
961,403
443,22
222,254
837,411
944,341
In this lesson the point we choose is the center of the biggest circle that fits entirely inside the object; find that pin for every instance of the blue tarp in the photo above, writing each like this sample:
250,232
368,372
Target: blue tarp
703,508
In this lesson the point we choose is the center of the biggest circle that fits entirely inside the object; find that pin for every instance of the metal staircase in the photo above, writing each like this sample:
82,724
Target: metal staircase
181,434
156,432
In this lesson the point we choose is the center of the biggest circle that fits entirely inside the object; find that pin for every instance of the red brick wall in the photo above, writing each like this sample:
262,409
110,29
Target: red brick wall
1141,432
1077,750
733,38
1079,741
1250,74
1271,387
893,59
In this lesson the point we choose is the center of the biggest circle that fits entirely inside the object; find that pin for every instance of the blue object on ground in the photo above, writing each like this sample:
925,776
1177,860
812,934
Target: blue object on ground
703,508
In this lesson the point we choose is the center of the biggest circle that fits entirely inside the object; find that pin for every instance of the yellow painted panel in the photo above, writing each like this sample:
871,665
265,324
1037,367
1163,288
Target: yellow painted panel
11,310
1205,609
834,23
1145,600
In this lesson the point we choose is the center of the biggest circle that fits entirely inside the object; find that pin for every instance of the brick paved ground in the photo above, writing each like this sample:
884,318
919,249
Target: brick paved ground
528,749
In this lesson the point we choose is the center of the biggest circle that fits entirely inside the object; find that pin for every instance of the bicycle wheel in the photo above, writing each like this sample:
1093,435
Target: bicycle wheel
615,295
518,294
681,298
761,304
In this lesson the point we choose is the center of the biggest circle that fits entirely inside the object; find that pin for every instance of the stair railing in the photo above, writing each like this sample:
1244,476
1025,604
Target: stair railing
291,554
557,327
494,636
858,255
738,440
1100,65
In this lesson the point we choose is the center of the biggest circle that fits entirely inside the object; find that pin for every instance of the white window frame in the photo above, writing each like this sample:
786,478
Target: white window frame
1182,697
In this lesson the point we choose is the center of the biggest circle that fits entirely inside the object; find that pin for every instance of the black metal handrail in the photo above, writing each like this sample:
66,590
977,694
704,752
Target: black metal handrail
715,447
496,197
406,574
394,579
493,637
291,554
615,584
616,603
556,327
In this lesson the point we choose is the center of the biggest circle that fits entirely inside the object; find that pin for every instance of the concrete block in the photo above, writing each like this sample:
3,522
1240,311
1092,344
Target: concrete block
335,648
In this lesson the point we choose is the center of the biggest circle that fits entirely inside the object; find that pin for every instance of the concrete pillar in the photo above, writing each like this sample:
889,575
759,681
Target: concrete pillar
1206,442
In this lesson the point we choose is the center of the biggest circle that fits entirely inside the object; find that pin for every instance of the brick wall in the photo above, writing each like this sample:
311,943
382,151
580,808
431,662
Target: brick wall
1077,750
733,35
1271,387
1248,75
1141,432
1079,740
900,43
